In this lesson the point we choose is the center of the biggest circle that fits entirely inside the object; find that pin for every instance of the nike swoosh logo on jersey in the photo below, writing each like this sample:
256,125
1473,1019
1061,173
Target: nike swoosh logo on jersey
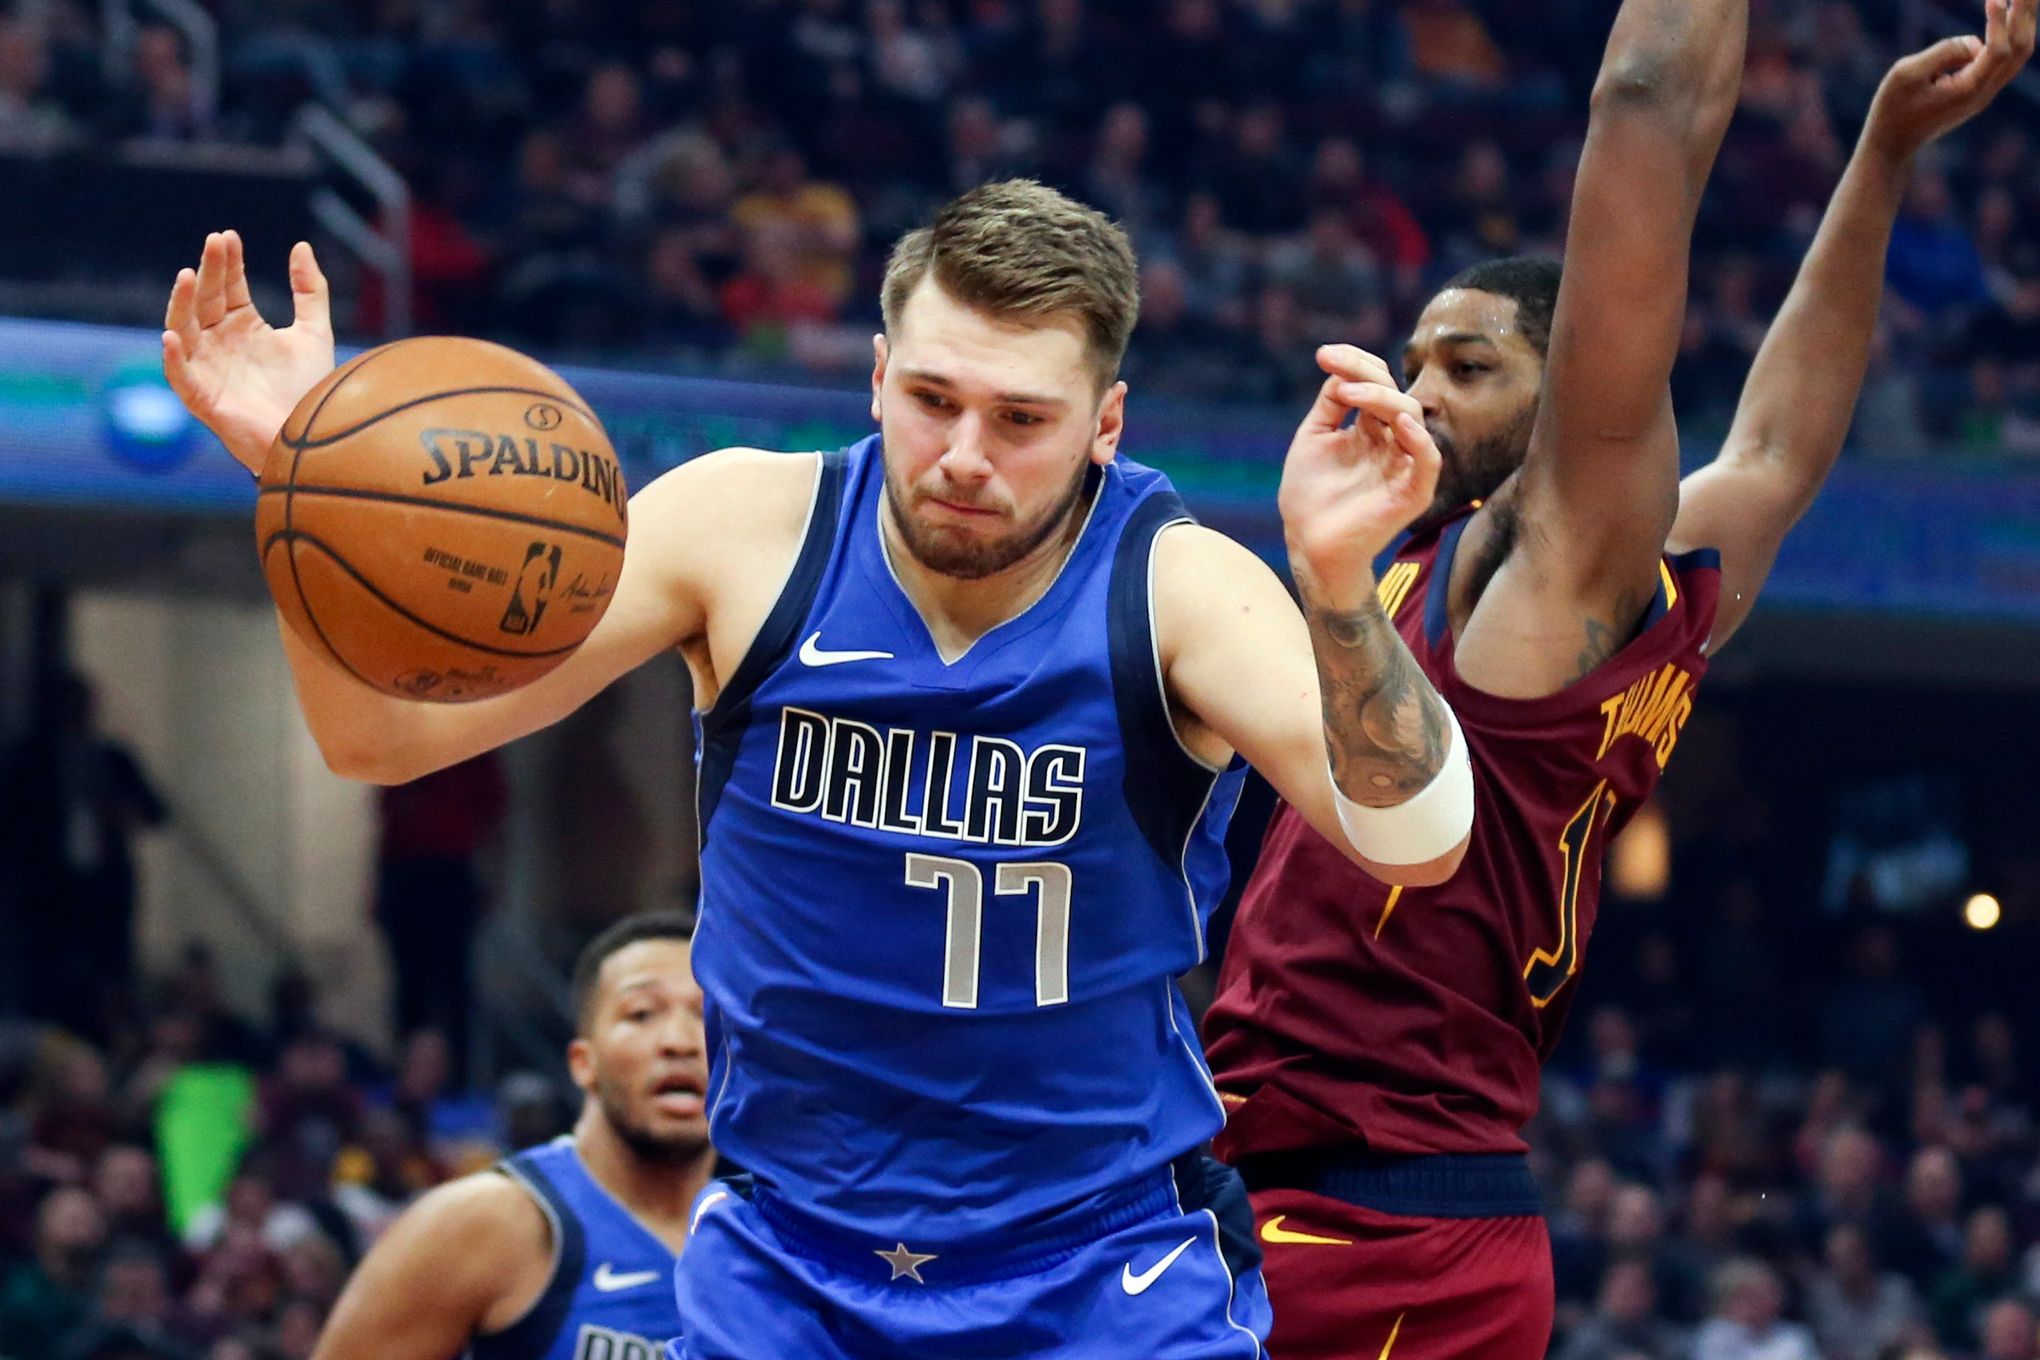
811,655
1393,1333
608,1281
1273,1231
1138,1284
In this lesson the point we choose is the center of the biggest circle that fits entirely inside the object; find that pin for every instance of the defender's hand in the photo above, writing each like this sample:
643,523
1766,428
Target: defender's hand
1348,490
229,367
1933,92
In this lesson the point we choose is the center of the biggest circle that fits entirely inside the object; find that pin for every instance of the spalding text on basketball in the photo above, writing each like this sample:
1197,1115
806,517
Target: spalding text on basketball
459,454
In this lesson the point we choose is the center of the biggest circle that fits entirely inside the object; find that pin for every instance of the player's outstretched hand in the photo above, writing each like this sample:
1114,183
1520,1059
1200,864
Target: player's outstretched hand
229,367
1349,489
1934,91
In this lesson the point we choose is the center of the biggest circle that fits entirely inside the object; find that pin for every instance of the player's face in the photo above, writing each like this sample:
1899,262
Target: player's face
989,426
1477,378
643,1059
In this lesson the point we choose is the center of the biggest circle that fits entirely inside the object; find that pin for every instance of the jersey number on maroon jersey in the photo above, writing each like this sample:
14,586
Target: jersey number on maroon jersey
1549,970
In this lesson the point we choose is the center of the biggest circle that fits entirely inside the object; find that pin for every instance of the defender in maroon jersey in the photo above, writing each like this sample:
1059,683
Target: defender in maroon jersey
1378,1050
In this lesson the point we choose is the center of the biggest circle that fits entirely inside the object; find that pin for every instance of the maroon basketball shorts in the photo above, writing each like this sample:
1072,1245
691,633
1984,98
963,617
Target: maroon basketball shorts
1356,1281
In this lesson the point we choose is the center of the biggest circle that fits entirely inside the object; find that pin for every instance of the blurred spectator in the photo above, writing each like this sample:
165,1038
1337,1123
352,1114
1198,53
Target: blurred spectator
1625,1321
1256,180
1868,1019
47,1298
2010,1332
810,223
1338,279
1451,44
1933,266
1745,1323
251,1217
1987,1273
1377,215
1120,179
429,897
131,1197
71,802
1848,1185
32,118
1924,1239
1856,1309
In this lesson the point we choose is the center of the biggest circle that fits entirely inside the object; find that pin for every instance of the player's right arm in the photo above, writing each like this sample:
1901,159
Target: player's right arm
1599,486
468,1258
1801,394
709,540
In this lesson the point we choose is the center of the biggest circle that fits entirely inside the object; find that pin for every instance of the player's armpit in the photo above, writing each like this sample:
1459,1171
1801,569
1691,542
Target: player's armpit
470,1257
698,560
1241,676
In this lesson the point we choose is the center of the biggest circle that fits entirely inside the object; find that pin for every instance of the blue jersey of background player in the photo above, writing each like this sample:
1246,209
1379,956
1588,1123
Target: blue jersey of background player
942,1030
566,1251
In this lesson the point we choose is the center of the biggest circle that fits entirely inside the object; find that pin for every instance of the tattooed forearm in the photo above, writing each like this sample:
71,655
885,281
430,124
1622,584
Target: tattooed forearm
1384,725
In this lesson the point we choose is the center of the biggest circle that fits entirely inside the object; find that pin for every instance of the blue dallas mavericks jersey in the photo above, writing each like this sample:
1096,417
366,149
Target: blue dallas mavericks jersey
611,1292
943,904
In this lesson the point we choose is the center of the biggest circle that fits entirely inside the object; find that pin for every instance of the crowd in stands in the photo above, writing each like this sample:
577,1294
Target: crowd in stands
716,184
1843,1168
141,1219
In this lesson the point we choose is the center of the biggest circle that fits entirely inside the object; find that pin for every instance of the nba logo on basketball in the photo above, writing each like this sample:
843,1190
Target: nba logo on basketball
534,587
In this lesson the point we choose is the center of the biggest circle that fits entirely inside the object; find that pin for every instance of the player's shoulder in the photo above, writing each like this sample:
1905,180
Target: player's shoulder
1204,582
729,500
737,480
1186,547
488,1213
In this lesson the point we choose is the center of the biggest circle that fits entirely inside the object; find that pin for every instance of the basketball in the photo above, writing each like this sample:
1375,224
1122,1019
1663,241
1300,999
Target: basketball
444,517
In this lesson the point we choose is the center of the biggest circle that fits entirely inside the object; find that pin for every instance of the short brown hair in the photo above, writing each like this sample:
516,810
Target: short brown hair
1017,248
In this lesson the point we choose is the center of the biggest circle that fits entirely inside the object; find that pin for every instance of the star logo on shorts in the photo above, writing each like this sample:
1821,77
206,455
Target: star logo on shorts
905,1263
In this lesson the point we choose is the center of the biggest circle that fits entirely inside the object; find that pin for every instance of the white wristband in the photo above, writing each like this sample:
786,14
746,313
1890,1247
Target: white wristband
1423,827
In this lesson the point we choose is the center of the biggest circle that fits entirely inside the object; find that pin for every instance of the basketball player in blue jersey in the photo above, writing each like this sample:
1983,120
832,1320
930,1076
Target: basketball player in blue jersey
973,700
564,1252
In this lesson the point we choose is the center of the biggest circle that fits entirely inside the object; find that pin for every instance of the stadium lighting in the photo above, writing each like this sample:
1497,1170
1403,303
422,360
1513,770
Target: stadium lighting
1982,911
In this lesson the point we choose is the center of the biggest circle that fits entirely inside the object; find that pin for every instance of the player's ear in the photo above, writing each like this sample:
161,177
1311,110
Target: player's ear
879,351
581,1064
1111,424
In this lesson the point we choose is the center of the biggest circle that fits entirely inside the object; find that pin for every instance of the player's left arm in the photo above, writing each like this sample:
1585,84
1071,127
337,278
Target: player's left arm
1801,393
1330,706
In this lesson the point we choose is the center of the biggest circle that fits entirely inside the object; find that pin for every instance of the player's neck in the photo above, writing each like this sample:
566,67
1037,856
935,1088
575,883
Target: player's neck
959,611
658,1193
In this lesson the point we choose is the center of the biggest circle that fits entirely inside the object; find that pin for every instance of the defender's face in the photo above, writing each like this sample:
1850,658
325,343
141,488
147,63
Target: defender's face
1477,379
643,1058
989,426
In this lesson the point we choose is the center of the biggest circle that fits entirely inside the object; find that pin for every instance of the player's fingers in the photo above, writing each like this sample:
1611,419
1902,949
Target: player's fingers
308,290
1355,364
2022,18
181,315
1997,27
1381,401
1949,54
236,284
212,281
177,366
173,358
1414,438
1327,413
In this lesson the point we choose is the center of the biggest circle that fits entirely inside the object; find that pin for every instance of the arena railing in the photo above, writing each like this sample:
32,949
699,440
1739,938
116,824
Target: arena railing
383,245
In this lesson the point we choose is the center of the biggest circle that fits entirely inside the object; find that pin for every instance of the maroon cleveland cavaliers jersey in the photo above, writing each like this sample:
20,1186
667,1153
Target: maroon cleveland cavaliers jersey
1352,1015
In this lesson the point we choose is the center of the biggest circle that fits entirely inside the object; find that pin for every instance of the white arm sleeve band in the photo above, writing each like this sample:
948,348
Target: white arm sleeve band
1422,827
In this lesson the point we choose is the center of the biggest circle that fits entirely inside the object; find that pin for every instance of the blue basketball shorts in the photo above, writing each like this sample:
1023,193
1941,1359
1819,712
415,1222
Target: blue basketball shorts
1172,1273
